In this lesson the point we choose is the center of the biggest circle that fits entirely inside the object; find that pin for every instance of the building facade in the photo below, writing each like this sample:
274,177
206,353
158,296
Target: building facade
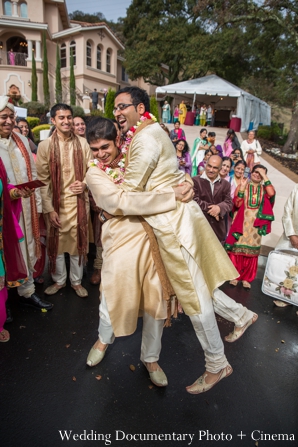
95,49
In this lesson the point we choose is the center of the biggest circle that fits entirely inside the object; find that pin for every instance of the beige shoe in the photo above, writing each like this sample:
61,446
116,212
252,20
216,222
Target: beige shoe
95,356
235,335
54,288
200,385
157,377
80,291
281,303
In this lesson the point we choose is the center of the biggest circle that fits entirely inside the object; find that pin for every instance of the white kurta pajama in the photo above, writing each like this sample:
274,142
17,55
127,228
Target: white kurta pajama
195,261
16,169
68,203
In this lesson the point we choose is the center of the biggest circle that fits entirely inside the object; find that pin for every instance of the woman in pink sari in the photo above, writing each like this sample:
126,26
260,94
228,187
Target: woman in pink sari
11,57
13,272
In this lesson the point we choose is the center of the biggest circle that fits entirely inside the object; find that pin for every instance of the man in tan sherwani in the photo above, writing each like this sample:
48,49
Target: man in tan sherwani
194,259
20,167
61,164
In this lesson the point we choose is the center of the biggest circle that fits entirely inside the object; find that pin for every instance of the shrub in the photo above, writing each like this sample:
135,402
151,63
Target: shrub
97,112
264,132
78,111
34,108
33,121
110,104
154,107
36,131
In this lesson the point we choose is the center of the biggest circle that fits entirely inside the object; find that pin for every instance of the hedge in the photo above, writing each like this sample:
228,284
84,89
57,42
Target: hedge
36,131
78,111
34,108
33,121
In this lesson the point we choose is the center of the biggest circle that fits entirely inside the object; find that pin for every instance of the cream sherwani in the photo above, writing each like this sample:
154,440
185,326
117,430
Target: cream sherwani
289,220
195,261
68,200
17,173
151,165
129,281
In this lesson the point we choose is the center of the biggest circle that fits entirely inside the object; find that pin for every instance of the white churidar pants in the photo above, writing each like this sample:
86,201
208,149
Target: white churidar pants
151,333
205,324
27,289
75,271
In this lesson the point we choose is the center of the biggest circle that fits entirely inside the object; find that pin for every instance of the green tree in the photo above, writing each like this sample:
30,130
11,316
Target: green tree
154,107
33,80
46,89
110,104
58,83
167,42
72,81
80,16
273,62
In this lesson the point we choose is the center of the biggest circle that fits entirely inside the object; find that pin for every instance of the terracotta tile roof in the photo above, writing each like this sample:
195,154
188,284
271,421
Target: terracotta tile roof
87,24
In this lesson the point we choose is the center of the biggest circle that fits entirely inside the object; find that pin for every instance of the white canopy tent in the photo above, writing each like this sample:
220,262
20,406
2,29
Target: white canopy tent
222,94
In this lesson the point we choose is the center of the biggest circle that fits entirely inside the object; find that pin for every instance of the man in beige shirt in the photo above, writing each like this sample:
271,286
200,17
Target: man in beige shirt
61,164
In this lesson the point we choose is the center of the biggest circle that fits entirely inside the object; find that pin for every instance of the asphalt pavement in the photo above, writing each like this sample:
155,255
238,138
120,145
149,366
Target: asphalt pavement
50,398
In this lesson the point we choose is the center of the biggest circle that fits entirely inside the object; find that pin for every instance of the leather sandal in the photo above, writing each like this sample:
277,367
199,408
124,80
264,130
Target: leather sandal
246,285
200,385
235,335
4,336
157,377
96,277
234,282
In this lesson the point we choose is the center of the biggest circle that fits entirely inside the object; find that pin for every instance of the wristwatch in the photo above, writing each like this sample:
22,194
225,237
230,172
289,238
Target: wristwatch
102,216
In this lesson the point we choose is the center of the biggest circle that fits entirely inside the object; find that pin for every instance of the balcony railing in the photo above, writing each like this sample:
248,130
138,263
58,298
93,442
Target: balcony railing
13,59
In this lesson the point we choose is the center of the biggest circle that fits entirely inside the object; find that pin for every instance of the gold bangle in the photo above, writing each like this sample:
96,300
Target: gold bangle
13,194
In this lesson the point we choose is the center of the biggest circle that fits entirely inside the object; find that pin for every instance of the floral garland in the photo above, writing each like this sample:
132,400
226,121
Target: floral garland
118,177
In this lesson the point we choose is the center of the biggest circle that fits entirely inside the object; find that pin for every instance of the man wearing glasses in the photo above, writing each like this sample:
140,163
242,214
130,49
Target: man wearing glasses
194,259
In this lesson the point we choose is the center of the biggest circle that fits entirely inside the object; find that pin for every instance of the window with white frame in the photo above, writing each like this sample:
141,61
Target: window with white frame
7,8
108,67
63,55
88,54
98,57
72,47
23,10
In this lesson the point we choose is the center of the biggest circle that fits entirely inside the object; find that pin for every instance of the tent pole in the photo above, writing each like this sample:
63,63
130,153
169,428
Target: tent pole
193,103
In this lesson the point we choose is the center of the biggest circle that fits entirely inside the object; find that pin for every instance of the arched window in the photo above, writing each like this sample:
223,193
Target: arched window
98,57
7,8
72,47
63,55
88,54
109,61
23,10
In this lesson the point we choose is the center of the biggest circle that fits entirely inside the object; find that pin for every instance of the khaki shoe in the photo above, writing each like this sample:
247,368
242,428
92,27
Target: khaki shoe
54,288
80,291
200,385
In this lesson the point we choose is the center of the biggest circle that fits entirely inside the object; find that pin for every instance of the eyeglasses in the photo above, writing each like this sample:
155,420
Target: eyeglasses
121,107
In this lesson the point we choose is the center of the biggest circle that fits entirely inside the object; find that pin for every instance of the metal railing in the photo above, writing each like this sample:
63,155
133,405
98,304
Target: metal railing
13,59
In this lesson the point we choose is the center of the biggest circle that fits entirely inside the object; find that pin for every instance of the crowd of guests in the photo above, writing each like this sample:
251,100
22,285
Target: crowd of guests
230,186
233,191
